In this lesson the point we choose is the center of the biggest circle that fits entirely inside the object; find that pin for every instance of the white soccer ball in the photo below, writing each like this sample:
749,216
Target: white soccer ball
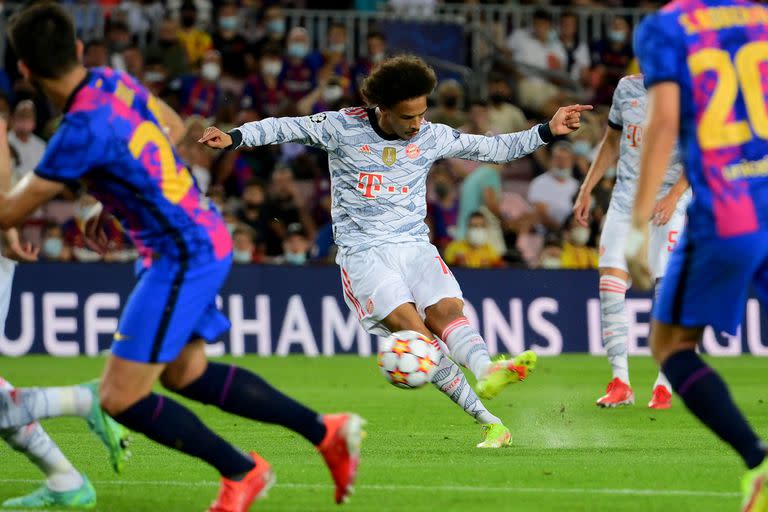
408,359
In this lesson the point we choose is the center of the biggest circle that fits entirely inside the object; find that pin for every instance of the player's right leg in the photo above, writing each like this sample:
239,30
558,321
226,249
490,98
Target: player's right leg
706,283
374,289
236,390
64,487
614,281
155,325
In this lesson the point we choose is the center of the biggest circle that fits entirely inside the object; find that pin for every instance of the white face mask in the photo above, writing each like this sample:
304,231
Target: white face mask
271,68
550,262
580,235
560,174
610,173
210,71
332,93
477,236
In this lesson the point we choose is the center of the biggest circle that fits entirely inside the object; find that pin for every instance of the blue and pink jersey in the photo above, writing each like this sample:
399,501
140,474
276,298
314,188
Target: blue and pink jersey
111,140
717,51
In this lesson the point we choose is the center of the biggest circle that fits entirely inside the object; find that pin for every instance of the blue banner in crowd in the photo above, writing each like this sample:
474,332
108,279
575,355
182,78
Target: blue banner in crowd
72,309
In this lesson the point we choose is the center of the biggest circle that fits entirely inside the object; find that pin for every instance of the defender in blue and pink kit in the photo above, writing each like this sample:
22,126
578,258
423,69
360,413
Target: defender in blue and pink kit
114,141
705,66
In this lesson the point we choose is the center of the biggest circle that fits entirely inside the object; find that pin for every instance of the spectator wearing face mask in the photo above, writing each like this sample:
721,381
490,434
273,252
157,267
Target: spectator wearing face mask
503,115
155,77
118,40
552,193
196,42
611,57
229,42
473,250
450,102
324,97
168,51
332,60
28,146
551,253
298,76
263,91
274,28
295,247
53,247
243,246
576,253
376,45
253,211
201,93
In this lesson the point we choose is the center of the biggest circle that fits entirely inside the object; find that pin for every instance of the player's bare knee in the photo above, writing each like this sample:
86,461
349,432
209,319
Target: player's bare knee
112,400
444,311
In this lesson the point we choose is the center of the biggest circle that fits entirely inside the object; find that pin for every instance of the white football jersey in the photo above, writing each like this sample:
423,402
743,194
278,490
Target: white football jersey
628,110
378,181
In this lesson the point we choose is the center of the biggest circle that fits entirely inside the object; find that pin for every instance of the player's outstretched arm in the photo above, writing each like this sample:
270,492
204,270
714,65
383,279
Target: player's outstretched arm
660,136
507,147
318,130
607,155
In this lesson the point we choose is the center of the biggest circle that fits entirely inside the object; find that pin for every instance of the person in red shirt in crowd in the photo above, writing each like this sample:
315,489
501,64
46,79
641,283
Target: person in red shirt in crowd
263,92
298,76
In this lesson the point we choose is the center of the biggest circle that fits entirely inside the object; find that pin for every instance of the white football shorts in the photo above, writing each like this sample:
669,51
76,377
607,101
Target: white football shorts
378,280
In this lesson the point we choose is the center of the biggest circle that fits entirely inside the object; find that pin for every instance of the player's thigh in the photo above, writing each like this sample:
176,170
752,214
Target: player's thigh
662,242
164,310
613,240
431,282
405,317
373,287
707,281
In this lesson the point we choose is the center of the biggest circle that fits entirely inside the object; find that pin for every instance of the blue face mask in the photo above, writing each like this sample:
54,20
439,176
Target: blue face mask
241,256
298,50
276,27
617,36
295,259
53,247
582,148
228,23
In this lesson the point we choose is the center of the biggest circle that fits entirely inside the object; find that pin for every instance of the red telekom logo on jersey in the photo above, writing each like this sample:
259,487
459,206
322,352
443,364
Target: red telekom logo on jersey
634,135
372,184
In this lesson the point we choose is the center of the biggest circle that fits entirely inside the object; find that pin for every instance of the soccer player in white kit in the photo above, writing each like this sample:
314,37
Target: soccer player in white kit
392,277
622,140
65,486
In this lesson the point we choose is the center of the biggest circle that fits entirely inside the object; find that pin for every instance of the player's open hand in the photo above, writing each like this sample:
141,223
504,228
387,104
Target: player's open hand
636,254
581,207
215,138
567,119
664,209
18,251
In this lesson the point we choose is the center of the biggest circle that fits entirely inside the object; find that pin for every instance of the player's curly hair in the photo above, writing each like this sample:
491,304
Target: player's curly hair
398,79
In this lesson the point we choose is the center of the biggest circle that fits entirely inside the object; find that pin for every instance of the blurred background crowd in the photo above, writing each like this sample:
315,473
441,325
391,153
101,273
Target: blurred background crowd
229,62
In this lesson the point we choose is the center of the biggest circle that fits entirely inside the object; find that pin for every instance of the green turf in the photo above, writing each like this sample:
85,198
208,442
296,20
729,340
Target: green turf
568,455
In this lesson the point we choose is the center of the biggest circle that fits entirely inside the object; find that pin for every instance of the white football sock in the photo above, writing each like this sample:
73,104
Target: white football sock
467,346
449,379
661,380
613,314
20,407
42,451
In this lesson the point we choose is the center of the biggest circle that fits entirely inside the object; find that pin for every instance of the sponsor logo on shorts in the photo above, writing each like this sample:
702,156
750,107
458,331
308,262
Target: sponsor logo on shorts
369,306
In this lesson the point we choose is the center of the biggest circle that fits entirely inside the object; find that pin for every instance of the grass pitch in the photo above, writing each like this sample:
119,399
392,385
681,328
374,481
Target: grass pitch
420,453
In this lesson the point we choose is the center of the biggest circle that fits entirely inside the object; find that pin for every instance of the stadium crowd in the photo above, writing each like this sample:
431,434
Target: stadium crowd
226,63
